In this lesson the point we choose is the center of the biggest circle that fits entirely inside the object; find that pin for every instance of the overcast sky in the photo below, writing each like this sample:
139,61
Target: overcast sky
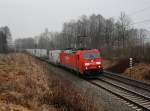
28,18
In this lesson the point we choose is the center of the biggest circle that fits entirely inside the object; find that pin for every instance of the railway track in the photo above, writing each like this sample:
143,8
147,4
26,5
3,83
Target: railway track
136,100
128,81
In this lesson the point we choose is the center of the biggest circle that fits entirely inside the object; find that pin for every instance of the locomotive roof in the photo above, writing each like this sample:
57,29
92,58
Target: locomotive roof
83,50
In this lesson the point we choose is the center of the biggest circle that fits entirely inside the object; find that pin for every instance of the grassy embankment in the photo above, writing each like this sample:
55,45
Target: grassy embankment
140,70
27,84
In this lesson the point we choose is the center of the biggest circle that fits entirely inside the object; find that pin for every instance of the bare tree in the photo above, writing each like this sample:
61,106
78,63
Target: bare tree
26,43
5,35
115,38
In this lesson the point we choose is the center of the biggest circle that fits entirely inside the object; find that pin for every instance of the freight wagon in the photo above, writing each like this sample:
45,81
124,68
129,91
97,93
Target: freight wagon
83,61
54,56
38,52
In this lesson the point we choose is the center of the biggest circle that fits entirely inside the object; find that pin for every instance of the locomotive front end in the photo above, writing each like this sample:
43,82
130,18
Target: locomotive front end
92,63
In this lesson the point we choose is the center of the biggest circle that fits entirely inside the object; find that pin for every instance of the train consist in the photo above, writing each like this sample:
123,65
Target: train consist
87,62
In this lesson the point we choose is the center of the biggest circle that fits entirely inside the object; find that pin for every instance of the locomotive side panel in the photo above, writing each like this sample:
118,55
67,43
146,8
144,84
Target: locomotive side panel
68,60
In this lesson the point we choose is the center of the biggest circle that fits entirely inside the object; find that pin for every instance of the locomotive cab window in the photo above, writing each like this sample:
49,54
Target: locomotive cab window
91,55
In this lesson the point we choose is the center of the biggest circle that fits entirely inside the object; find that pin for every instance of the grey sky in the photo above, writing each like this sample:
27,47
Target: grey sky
27,18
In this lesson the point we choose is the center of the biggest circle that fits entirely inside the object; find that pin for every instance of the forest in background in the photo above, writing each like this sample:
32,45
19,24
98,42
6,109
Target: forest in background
116,38
5,39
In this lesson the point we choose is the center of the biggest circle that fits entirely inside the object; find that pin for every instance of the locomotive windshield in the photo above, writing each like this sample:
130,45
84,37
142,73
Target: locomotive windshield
91,55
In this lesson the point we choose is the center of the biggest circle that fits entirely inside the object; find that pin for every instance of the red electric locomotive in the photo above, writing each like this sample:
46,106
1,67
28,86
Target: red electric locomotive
85,62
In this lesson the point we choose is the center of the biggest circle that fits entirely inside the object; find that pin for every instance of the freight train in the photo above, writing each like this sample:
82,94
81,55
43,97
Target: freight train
86,62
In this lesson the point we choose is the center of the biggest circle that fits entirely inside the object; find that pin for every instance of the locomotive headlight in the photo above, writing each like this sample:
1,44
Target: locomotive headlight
87,64
98,63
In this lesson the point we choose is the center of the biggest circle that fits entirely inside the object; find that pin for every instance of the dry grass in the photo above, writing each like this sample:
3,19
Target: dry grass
27,84
140,71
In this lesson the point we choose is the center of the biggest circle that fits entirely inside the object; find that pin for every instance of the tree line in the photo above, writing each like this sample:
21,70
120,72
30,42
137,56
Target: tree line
116,38
5,37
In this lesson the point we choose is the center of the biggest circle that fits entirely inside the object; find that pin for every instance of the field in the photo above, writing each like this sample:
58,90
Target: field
27,84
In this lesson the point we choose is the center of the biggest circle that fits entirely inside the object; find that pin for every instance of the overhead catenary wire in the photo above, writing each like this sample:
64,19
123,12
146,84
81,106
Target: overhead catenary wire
139,22
139,11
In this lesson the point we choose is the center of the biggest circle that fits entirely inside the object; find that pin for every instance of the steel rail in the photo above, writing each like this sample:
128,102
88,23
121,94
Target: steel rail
128,81
130,96
125,96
